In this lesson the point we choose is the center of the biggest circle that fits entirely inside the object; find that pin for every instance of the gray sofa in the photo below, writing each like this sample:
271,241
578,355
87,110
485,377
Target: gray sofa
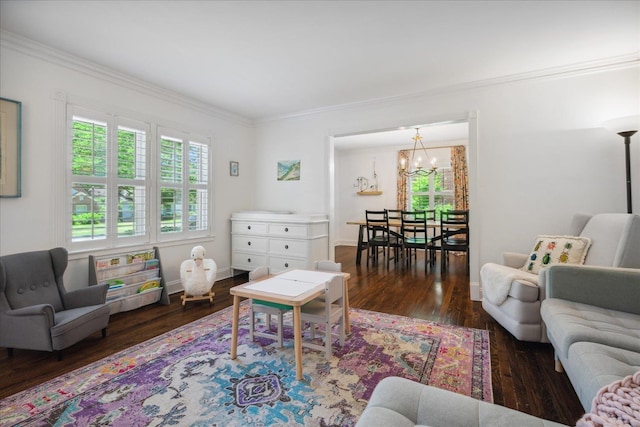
592,315
400,402
615,242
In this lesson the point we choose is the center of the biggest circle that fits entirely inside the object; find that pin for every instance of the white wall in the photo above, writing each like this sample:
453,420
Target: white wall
33,75
540,153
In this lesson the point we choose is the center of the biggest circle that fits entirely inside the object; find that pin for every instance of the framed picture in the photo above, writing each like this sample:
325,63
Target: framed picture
10,136
234,168
289,170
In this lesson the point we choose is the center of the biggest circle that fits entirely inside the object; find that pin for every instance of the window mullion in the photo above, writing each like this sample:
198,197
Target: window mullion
112,182
186,147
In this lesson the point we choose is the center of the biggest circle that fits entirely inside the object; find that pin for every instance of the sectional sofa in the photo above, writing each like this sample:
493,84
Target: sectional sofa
592,315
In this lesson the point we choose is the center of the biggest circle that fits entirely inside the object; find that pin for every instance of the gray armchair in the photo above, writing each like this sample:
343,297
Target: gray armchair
615,242
37,312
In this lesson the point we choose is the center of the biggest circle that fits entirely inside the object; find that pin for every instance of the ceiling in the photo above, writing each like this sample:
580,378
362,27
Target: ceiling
269,59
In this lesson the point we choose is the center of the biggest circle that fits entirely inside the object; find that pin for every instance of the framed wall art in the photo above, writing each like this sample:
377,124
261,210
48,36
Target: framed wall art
289,170
234,168
10,141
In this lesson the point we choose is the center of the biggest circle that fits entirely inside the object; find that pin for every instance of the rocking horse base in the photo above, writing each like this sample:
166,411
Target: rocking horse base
186,297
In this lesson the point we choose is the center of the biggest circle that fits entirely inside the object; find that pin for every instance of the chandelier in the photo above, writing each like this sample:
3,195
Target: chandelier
415,168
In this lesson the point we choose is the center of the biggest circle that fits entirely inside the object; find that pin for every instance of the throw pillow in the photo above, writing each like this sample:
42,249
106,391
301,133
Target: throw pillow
556,250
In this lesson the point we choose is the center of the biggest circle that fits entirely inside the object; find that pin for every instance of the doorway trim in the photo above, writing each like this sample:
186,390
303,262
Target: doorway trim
471,117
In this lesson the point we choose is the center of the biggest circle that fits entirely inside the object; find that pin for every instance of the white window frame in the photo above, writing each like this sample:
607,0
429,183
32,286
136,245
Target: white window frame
431,194
152,181
110,181
184,186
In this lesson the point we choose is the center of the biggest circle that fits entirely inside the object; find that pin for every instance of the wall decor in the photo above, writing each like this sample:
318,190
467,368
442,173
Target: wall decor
10,140
289,170
234,168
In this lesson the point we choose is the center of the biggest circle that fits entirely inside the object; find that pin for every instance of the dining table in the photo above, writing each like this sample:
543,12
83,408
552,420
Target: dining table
394,223
293,288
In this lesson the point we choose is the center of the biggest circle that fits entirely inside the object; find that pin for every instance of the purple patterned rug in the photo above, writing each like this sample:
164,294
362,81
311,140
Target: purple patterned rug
185,377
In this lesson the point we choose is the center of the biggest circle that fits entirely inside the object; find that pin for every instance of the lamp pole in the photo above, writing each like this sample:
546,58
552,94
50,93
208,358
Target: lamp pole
627,158
625,127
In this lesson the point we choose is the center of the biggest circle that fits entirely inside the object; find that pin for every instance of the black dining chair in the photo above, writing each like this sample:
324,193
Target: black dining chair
454,235
380,238
394,214
416,237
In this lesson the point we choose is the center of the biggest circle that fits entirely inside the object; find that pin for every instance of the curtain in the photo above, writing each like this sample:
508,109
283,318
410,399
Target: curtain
460,178
402,181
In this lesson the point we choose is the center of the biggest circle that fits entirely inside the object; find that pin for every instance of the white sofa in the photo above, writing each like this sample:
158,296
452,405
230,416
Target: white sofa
615,242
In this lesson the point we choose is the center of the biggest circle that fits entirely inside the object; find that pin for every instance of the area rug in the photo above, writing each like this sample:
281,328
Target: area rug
186,377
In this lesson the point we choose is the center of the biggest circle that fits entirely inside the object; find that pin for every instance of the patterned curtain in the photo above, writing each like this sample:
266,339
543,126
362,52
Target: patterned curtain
460,178
402,181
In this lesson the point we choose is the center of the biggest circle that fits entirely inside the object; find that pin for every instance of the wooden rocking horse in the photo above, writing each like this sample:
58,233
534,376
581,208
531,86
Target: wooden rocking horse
197,276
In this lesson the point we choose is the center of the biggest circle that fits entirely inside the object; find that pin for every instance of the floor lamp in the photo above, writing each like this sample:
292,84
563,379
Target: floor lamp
625,127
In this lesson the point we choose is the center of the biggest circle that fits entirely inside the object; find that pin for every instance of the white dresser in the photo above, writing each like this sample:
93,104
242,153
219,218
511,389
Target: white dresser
281,241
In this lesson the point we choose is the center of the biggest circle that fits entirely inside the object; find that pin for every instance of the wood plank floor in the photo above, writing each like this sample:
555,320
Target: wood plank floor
523,377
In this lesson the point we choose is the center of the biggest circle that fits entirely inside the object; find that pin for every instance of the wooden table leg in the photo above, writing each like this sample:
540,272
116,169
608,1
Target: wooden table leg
297,340
347,322
234,326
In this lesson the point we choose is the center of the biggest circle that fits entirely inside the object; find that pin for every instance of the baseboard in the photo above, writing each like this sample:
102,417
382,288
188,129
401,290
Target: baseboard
475,291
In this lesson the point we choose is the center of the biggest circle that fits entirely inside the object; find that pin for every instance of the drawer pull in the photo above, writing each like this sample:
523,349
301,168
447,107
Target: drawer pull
286,229
248,227
286,264
249,243
248,259
286,246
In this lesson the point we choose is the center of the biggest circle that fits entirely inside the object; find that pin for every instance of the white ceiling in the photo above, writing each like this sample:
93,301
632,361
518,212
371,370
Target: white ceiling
265,59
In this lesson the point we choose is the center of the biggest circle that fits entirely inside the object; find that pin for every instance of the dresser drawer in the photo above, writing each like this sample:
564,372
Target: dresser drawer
286,247
249,227
278,264
288,230
247,261
249,244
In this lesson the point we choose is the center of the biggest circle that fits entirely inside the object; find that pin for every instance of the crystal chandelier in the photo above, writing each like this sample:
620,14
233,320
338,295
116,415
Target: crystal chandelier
414,168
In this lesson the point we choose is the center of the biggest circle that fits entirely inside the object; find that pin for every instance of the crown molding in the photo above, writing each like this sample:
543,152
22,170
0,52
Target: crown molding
597,66
38,50
47,53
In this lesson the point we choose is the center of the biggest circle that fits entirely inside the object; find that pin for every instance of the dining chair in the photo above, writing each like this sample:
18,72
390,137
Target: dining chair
394,214
416,237
380,237
267,308
454,235
326,313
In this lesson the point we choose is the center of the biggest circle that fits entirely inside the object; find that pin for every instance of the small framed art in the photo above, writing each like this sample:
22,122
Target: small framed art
10,140
289,170
234,168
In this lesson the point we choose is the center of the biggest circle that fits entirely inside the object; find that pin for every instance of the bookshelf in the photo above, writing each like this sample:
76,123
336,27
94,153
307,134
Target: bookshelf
135,278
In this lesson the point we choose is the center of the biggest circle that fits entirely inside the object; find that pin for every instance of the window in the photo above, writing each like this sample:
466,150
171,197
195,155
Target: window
431,192
110,177
184,181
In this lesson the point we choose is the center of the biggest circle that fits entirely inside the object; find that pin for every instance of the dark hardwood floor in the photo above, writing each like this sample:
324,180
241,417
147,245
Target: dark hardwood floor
523,377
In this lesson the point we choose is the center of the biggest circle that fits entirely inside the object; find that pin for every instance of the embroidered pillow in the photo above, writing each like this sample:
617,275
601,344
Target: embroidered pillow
556,250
